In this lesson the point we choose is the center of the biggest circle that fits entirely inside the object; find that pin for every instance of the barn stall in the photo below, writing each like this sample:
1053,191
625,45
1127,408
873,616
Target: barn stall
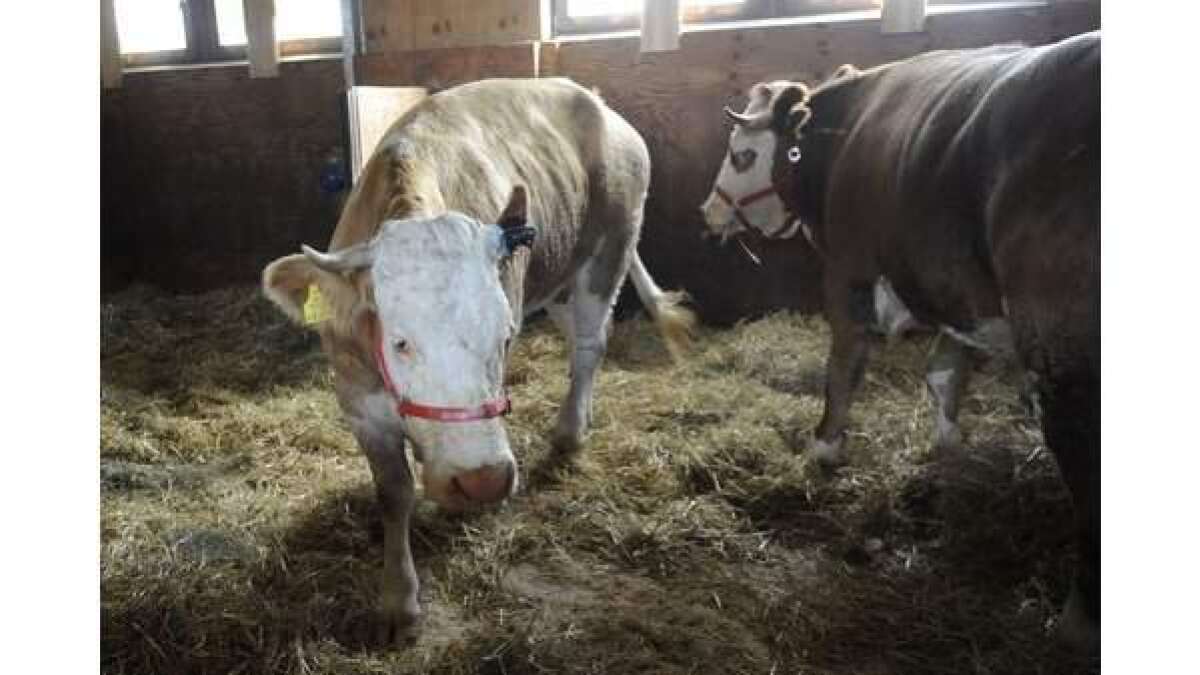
239,523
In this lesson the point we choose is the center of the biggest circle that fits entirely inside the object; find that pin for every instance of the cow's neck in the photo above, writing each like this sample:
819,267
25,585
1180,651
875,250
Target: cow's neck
825,134
389,188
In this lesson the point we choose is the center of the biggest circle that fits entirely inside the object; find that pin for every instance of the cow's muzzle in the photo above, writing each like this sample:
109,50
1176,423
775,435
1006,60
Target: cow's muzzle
487,484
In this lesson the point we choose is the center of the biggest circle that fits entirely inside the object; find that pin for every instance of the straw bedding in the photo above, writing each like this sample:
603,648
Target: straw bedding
240,533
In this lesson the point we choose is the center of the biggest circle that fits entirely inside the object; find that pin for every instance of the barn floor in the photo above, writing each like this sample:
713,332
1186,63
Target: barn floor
240,533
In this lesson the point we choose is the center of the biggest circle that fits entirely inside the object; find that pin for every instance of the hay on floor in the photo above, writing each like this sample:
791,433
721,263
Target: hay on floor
240,533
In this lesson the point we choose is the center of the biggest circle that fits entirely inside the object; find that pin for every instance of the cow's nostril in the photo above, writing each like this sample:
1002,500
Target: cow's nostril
486,484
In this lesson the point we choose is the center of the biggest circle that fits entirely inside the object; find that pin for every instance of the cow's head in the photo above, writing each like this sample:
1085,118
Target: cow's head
747,193
422,318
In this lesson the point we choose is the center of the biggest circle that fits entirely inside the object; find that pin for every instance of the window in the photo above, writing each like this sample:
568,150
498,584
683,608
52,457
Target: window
145,26
572,17
303,23
199,31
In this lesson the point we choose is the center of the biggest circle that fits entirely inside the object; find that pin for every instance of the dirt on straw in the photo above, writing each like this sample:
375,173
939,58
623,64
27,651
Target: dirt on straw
240,533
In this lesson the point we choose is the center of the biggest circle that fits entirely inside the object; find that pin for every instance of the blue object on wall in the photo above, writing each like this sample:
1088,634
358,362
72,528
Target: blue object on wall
334,177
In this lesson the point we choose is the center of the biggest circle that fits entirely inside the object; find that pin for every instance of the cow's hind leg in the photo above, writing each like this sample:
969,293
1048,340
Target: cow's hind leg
594,290
560,315
946,378
1071,423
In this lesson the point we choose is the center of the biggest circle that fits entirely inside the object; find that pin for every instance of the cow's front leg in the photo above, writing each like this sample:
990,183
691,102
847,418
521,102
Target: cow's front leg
850,315
946,377
400,609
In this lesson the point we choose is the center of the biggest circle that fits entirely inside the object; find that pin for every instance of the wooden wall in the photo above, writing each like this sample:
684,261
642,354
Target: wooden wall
675,98
394,25
207,174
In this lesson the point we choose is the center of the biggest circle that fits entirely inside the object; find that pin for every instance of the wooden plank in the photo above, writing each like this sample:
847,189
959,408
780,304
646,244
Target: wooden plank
262,49
110,47
351,38
902,16
199,188
443,68
372,111
660,26
399,25
387,26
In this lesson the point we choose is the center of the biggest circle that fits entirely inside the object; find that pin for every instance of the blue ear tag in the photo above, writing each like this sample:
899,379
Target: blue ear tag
516,237
793,154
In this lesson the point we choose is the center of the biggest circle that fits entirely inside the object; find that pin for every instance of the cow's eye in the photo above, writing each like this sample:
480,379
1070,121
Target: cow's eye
742,160
400,345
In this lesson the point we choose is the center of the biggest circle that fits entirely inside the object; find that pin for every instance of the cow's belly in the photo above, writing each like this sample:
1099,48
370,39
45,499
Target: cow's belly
991,335
892,316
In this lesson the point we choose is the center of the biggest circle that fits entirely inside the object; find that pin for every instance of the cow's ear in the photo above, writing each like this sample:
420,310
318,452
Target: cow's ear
785,101
798,117
845,70
512,227
516,211
306,293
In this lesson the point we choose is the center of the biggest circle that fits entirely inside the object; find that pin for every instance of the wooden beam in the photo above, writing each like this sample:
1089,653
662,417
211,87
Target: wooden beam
262,50
401,25
660,26
110,47
372,111
445,67
352,41
902,16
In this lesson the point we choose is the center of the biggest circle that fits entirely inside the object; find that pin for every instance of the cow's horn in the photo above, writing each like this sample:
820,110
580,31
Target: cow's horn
341,261
740,119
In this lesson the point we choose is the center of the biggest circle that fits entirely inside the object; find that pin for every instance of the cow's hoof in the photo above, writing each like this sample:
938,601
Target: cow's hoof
829,454
565,441
947,440
398,629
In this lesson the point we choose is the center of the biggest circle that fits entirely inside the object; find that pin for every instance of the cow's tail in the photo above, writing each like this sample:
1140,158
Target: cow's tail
675,322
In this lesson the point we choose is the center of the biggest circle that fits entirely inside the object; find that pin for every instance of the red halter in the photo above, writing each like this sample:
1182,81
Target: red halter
407,408
738,204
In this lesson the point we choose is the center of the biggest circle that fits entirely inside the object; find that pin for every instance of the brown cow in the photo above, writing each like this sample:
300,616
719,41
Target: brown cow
425,297
970,180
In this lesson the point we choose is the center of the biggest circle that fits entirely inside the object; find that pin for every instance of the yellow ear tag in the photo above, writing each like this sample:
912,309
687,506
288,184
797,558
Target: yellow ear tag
316,309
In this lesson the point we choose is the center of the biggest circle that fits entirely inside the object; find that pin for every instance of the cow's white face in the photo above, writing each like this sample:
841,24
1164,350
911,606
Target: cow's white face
750,198
745,171
444,325
423,298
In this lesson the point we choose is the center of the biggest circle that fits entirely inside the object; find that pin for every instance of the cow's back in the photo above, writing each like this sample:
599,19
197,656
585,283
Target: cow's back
935,148
471,144
1043,216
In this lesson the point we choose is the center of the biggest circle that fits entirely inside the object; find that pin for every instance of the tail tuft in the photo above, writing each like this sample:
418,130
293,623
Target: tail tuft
675,321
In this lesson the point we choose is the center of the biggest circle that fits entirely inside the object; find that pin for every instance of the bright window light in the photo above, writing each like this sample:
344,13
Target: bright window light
579,9
294,20
150,25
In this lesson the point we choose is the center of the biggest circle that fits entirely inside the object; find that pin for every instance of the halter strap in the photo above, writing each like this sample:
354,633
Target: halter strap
407,408
738,204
